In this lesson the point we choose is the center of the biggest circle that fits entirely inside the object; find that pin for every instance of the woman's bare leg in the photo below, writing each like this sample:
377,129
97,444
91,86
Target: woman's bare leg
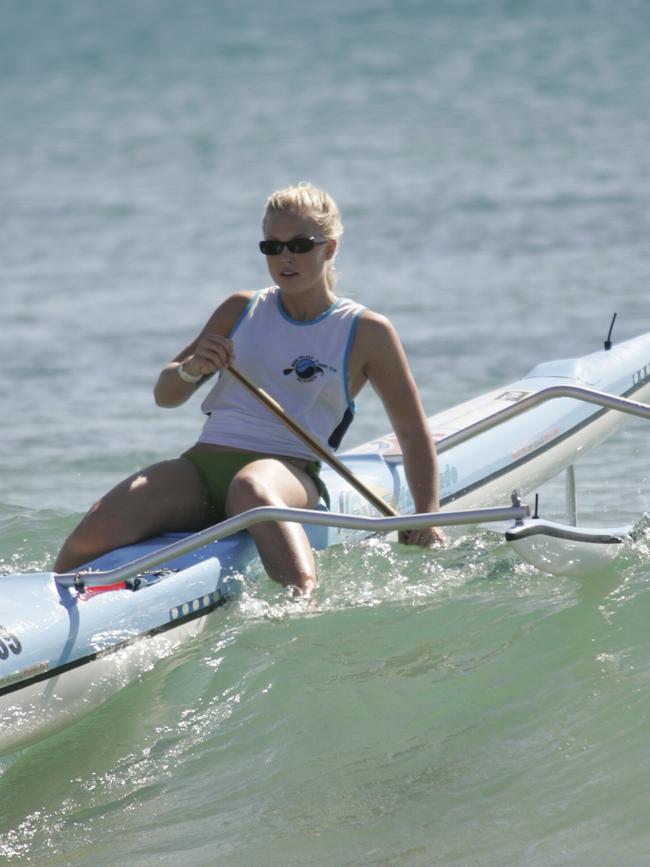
284,548
167,496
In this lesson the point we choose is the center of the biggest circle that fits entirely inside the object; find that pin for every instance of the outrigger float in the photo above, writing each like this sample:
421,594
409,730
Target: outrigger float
67,642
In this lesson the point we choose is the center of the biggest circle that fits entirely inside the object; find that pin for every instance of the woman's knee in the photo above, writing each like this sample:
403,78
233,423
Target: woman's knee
246,491
270,482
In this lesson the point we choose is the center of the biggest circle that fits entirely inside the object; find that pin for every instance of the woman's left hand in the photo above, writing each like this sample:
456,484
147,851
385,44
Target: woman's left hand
427,537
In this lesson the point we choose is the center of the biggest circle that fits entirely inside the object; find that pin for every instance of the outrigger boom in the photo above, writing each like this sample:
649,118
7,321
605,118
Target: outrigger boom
81,580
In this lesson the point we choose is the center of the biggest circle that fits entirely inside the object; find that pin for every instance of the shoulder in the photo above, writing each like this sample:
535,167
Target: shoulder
225,317
237,302
375,332
377,354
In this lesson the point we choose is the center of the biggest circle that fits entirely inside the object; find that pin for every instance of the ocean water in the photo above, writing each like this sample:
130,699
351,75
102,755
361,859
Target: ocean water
491,161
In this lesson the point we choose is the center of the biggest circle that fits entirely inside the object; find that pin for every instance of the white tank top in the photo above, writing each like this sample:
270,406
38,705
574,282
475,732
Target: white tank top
303,365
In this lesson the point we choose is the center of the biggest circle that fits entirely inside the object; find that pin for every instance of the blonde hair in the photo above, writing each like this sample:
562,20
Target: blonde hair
315,204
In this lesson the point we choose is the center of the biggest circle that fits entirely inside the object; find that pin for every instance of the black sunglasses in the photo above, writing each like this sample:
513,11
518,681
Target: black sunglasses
295,245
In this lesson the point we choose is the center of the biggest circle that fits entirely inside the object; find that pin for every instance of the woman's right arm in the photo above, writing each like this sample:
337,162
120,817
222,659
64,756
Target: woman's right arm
204,356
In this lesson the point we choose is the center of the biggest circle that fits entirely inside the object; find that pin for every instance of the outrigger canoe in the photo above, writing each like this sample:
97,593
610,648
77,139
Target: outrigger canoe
67,642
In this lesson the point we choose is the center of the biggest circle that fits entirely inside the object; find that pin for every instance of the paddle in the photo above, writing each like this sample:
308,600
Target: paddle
301,433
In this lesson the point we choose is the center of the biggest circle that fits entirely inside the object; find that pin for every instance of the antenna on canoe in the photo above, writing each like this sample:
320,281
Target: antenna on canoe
608,342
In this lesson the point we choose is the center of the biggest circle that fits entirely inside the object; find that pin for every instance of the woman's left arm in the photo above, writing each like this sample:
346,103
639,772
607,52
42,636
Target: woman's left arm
378,356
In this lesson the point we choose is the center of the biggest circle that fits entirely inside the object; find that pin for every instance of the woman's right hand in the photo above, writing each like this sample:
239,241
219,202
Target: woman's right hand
212,353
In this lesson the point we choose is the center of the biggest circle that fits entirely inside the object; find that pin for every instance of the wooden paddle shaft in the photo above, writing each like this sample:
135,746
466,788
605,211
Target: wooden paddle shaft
327,456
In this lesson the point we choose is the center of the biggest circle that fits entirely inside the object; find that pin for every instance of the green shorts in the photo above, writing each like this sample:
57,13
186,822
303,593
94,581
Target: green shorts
218,469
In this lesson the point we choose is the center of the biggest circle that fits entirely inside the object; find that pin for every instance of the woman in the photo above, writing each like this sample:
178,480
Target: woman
310,350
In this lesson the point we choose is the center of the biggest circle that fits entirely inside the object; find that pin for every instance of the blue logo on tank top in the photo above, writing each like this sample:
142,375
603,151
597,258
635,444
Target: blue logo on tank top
307,368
